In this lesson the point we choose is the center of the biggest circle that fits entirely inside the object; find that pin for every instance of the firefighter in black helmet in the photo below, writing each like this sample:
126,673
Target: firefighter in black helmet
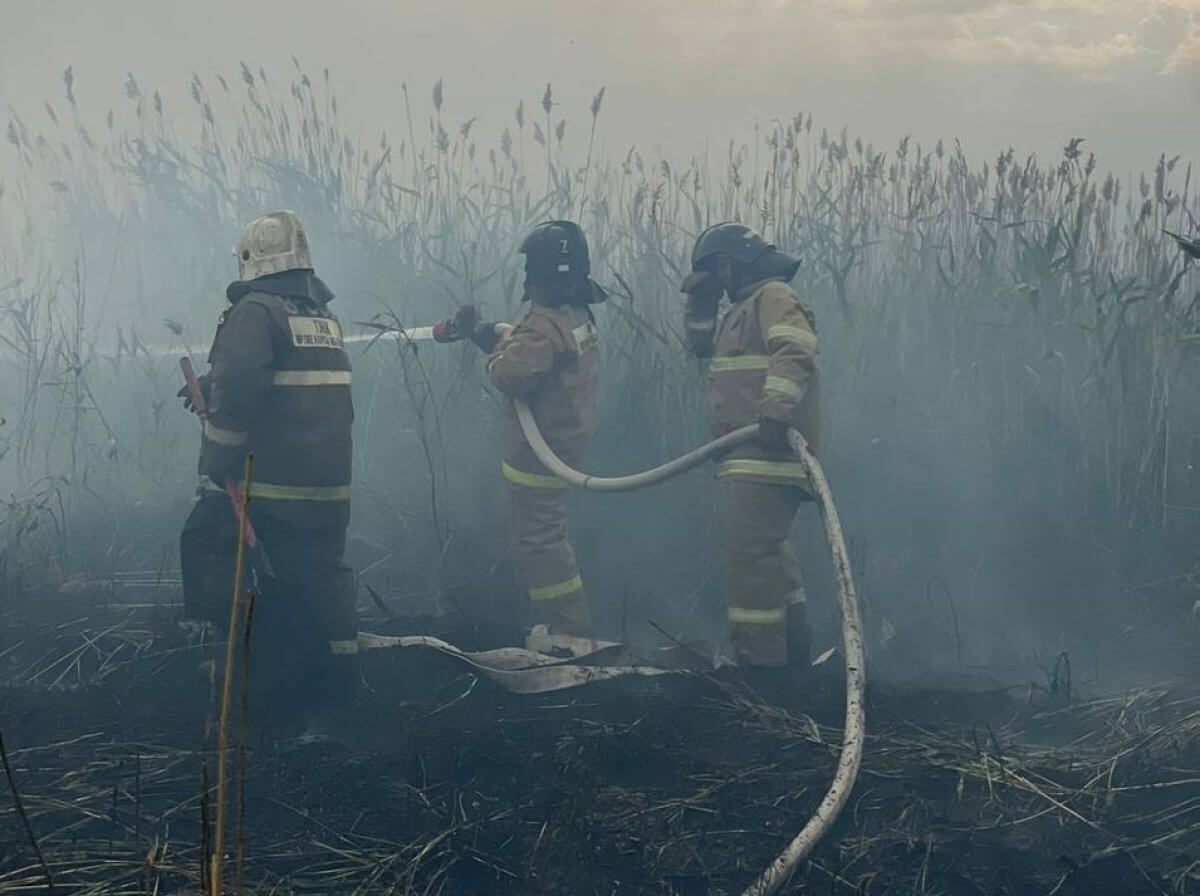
550,360
763,370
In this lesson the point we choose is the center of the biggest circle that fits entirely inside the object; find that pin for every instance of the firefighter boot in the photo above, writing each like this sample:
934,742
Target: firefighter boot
785,685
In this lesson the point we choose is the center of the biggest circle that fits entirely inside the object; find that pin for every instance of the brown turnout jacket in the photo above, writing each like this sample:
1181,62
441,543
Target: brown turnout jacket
551,360
764,364
281,389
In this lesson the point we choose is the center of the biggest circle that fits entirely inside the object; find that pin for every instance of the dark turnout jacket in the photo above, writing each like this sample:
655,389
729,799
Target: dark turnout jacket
280,388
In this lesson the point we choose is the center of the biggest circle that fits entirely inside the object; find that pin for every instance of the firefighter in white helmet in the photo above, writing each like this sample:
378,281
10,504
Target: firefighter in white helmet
279,387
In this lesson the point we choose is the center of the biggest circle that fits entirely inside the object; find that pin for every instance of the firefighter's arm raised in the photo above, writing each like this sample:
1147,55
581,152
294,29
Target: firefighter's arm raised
520,359
243,361
703,292
792,353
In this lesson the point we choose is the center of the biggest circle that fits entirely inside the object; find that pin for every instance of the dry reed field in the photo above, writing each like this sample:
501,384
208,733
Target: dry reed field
1012,434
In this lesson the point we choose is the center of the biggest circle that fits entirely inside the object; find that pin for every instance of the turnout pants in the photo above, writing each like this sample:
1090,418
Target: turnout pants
765,596
544,555
304,631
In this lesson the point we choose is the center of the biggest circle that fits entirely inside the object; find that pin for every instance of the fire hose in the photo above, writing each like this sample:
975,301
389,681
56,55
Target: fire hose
781,869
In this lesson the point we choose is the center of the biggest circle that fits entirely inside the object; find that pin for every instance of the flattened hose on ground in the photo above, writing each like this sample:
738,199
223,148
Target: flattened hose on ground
777,873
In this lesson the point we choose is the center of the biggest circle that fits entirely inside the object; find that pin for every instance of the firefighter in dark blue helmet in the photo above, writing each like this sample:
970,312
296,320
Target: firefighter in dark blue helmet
763,370
550,360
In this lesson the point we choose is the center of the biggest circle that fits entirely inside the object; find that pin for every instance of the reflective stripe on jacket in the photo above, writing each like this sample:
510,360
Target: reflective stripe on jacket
763,352
551,360
281,389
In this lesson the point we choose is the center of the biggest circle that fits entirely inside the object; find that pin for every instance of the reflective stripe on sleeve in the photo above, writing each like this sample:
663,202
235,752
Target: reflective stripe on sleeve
311,378
562,589
530,480
744,616
701,326
735,363
230,438
806,339
763,469
343,648
781,385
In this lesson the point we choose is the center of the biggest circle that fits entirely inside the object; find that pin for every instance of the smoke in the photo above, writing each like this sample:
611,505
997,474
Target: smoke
1004,488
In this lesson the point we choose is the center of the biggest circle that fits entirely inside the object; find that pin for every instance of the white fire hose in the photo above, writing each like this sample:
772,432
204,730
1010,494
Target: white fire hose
781,869
784,865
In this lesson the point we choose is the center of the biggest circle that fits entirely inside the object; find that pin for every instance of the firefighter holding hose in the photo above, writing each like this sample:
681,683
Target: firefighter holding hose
550,360
763,369
279,387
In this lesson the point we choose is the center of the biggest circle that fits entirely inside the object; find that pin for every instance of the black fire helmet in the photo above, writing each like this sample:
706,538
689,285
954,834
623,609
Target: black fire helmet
559,250
741,243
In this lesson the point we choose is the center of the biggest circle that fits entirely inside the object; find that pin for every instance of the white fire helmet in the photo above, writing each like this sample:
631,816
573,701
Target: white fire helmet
270,244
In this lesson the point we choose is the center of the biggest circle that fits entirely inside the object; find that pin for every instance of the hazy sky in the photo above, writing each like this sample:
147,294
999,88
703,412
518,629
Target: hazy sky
1125,74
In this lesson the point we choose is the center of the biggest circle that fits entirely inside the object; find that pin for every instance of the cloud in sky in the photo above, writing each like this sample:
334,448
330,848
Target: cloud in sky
1098,39
1087,36
679,73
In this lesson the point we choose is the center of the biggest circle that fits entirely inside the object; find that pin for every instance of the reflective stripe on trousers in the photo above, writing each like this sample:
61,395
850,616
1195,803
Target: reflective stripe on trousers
530,480
762,576
560,589
773,616
544,556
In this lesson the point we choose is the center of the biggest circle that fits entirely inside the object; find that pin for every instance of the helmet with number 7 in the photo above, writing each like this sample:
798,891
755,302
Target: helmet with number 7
557,252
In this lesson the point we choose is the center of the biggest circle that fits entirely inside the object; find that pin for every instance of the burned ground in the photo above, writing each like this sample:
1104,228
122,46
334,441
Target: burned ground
445,784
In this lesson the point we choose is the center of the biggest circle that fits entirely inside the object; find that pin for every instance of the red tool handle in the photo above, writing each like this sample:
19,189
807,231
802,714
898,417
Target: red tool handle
193,387
231,488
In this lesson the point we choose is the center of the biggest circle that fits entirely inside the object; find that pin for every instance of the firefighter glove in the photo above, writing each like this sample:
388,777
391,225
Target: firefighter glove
205,384
773,434
466,319
461,326
704,289
485,336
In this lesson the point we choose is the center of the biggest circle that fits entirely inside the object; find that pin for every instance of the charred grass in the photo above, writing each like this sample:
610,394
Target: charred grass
442,783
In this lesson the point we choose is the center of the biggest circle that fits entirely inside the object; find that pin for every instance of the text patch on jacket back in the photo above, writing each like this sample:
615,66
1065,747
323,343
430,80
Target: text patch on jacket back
586,336
315,332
